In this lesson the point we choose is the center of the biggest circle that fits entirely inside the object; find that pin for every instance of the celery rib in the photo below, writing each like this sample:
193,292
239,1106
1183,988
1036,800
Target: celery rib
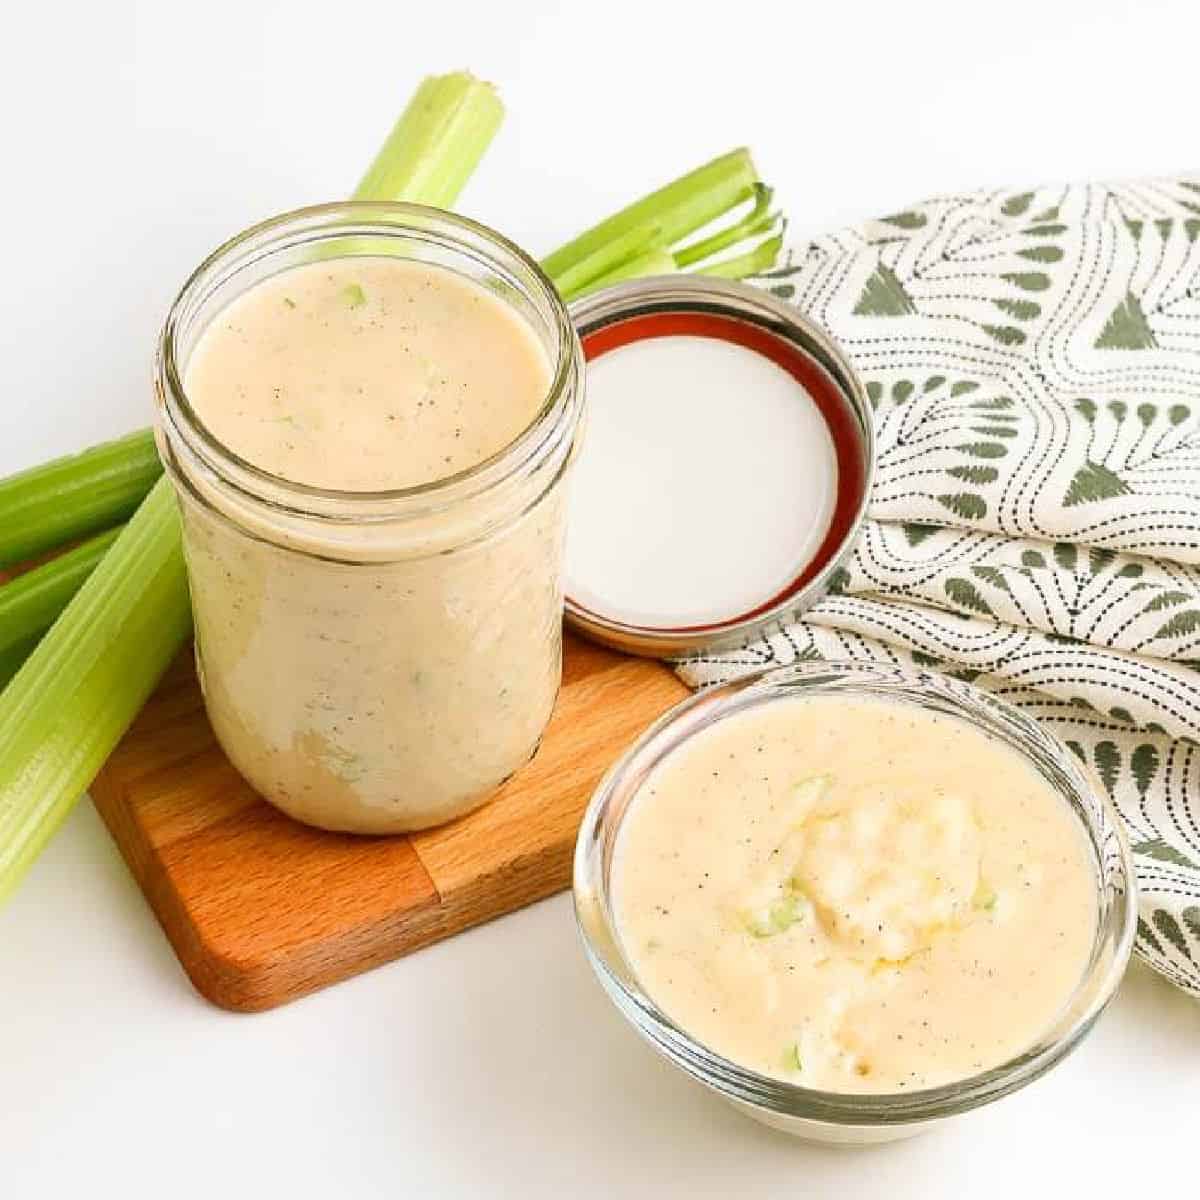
652,262
66,708
587,274
74,496
754,262
30,603
758,220
677,209
456,111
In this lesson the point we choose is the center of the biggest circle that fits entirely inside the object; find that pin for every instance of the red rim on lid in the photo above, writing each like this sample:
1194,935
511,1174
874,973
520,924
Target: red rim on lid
725,470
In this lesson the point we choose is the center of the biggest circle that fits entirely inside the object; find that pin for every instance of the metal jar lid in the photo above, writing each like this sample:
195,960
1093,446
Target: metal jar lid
627,528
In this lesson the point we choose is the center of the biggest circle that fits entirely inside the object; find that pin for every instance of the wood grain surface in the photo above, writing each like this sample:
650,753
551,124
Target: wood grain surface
261,909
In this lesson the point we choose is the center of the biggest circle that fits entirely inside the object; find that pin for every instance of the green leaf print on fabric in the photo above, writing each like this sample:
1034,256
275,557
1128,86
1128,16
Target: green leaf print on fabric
992,575
1031,558
1006,335
902,390
883,295
838,581
1030,281
1126,328
1146,934
1169,928
1108,763
966,595
1100,557
1042,254
973,474
1163,851
1166,600
906,220
1143,762
1180,624
962,387
874,392
1191,918
965,504
1021,310
1045,230
983,449
1014,206
1094,481
1065,555
915,534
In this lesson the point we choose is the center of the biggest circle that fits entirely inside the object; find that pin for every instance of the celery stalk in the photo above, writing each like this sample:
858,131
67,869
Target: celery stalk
758,220
30,603
68,705
458,113
66,708
652,262
606,258
678,209
754,262
71,497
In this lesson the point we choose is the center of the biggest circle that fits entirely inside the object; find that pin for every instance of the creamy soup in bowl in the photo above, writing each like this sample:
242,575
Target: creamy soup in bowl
854,900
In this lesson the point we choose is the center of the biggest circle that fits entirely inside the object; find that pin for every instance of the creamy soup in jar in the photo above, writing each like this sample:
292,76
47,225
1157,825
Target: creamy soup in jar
355,691
854,895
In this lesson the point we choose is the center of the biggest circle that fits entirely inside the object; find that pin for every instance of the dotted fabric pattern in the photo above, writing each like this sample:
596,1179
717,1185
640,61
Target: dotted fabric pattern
1033,359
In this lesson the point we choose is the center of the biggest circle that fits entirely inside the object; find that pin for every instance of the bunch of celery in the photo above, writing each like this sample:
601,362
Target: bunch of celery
116,607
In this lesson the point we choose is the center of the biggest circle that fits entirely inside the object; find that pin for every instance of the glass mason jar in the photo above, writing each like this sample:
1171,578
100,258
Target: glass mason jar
375,661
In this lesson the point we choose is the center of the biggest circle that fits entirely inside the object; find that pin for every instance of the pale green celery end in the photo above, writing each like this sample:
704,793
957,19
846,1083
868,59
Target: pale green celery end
30,603
754,262
606,258
437,142
653,262
680,208
703,247
757,220
64,711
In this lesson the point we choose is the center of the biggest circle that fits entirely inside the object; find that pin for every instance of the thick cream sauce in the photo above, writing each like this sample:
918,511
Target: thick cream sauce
367,374
374,696
855,895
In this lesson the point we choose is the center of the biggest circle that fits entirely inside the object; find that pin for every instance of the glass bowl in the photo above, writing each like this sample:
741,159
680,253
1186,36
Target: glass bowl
836,1116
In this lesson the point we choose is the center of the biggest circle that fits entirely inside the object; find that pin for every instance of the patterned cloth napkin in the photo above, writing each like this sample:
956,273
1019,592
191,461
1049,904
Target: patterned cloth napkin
1034,362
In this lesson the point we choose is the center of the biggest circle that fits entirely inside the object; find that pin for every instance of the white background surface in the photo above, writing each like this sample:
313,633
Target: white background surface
137,137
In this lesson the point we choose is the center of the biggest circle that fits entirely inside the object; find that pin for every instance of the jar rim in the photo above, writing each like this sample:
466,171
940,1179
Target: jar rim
1116,918
350,219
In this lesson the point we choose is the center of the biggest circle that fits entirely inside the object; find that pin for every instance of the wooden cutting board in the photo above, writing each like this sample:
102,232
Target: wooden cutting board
261,910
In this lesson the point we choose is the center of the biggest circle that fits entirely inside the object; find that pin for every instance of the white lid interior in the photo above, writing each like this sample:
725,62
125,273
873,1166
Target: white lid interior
706,483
